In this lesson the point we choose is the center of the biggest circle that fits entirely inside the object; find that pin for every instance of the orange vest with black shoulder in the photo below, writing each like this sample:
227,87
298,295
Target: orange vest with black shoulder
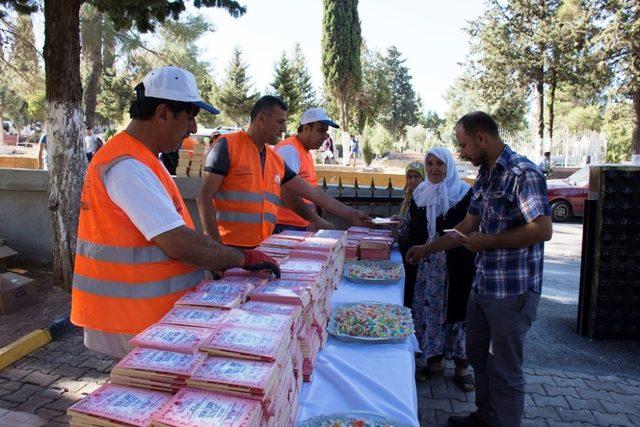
248,198
307,172
123,283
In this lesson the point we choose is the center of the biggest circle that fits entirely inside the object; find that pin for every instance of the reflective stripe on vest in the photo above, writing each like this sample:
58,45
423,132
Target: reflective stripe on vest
144,290
273,198
247,196
120,254
249,218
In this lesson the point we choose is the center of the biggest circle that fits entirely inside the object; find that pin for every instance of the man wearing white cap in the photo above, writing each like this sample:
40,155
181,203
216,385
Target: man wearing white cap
137,251
314,125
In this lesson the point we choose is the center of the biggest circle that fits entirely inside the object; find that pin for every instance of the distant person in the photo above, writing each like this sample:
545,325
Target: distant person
42,151
189,144
170,161
327,150
215,136
545,164
354,150
90,144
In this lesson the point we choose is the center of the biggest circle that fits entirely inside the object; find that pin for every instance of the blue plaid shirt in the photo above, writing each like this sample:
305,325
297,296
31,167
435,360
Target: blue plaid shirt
514,194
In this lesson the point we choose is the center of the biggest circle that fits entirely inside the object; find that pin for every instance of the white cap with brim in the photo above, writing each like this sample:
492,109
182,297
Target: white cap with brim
175,84
313,115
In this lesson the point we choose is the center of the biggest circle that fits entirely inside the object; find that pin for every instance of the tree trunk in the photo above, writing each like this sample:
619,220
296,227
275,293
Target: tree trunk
92,53
635,135
552,99
64,131
2,125
540,94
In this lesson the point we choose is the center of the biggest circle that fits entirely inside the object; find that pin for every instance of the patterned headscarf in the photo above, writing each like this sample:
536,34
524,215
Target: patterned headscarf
415,167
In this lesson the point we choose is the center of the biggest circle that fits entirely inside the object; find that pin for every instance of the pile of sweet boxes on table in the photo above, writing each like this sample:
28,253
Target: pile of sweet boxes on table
234,352
368,244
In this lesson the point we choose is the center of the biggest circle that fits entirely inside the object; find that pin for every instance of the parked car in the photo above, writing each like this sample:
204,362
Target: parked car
567,196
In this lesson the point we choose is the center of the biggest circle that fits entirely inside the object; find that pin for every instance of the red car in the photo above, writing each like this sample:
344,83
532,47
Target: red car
567,196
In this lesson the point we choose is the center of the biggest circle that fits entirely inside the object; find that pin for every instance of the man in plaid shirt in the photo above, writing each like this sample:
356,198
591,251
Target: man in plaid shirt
506,224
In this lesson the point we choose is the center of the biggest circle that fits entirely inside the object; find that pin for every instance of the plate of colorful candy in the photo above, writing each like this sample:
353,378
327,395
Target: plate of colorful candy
371,322
349,420
373,272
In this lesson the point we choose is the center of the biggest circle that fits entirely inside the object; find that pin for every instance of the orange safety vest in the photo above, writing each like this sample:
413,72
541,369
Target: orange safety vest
307,172
248,198
123,283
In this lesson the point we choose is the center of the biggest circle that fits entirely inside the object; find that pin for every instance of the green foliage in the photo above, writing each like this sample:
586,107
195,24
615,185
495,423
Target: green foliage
618,46
35,106
114,99
367,152
285,85
463,98
379,138
618,127
341,44
583,119
22,75
303,79
236,96
375,94
402,110
145,14
521,46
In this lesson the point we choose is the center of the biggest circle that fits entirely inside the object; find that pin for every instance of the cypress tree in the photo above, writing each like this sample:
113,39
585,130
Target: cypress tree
341,44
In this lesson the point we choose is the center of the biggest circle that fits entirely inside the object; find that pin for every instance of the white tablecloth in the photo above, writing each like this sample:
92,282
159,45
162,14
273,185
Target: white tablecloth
364,378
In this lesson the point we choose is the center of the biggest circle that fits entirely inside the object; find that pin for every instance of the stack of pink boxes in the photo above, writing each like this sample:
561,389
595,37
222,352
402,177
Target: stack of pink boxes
368,244
233,352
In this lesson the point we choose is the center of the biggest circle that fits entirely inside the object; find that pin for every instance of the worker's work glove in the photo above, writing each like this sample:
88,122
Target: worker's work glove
255,260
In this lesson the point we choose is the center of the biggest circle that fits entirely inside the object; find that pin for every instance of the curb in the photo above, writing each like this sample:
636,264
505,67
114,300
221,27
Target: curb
32,341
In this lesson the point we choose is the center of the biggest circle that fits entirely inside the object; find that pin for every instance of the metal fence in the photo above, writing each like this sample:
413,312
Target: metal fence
569,149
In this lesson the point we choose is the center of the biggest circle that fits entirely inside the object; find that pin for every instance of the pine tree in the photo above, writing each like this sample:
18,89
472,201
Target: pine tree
403,106
303,79
341,44
284,85
236,96
618,45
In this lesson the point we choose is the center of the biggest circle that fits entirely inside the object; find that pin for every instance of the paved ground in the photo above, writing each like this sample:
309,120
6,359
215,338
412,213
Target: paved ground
570,380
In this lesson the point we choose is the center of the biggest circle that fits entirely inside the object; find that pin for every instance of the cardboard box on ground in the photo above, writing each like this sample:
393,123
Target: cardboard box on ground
5,253
16,291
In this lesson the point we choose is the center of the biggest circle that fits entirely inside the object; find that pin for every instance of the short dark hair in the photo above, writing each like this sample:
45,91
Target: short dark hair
266,103
301,127
143,107
478,121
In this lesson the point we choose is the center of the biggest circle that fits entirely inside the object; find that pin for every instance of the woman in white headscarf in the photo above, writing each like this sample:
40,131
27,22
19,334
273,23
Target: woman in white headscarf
444,278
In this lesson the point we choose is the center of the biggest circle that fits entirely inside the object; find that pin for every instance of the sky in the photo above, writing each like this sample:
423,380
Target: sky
428,33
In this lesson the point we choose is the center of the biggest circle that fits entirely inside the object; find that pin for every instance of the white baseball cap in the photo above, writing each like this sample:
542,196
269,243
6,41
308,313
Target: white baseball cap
313,115
174,84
